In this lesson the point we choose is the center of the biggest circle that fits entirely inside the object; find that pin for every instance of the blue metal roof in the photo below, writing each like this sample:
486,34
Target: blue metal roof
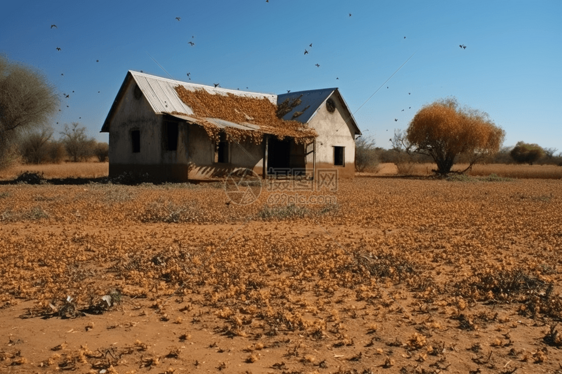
312,98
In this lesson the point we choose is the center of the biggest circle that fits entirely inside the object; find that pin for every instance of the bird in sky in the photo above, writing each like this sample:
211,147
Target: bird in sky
305,52
61,73
98,92
97,60
404,37
310,45
178,18
54,26
464,47
402,109
410,108
67,96
216,84
337,78
188,74
191,43
58,49
288,91
386,86
409,93
350,14
317,65
395,120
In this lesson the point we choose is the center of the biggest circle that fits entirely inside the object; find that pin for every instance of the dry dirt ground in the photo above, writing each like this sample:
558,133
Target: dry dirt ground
400,276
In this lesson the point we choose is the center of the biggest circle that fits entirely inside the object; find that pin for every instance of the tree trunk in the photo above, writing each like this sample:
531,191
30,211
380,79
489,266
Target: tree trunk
444,166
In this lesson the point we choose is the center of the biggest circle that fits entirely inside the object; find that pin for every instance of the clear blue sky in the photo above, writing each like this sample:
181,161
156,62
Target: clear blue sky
511,67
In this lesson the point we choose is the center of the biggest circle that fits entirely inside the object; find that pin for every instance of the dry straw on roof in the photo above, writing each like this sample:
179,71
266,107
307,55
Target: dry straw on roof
239,109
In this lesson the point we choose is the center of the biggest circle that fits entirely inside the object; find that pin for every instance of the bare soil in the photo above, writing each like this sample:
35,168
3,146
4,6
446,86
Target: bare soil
403,276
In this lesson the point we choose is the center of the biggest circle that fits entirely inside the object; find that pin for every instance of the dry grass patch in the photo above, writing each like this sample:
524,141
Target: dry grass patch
478,170
65,170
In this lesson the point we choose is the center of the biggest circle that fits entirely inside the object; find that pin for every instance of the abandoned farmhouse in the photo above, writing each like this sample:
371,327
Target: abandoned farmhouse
179,131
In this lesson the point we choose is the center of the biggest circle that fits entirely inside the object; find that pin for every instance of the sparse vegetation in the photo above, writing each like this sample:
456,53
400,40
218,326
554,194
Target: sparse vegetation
366,157
27,100
34,147
78,145
101,151
64,170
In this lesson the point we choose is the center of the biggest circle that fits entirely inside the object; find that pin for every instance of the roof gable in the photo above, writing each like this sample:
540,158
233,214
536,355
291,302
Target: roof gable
311,101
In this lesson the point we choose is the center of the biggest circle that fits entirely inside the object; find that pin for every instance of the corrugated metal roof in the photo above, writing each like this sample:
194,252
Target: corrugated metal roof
312,98
220,123
162,97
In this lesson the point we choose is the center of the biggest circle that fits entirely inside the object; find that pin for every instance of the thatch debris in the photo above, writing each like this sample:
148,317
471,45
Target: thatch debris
242,110
299,113
287,106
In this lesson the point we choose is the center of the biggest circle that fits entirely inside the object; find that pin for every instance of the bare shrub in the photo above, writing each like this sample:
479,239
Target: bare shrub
405,167
56,152
502,156
101,151
77,144
366,157
34,147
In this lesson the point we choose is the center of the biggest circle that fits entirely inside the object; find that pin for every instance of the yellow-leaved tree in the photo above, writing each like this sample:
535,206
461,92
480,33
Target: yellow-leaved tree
445,131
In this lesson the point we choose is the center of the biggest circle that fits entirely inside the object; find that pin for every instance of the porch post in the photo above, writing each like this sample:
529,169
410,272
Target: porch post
265,156
314,159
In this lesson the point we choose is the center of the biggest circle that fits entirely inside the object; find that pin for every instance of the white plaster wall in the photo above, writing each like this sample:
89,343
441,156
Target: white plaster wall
334,130
133,114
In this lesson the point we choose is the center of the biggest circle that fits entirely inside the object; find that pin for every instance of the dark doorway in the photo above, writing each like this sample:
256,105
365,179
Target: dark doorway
135,140
170,136
222,154
279,153
339,156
